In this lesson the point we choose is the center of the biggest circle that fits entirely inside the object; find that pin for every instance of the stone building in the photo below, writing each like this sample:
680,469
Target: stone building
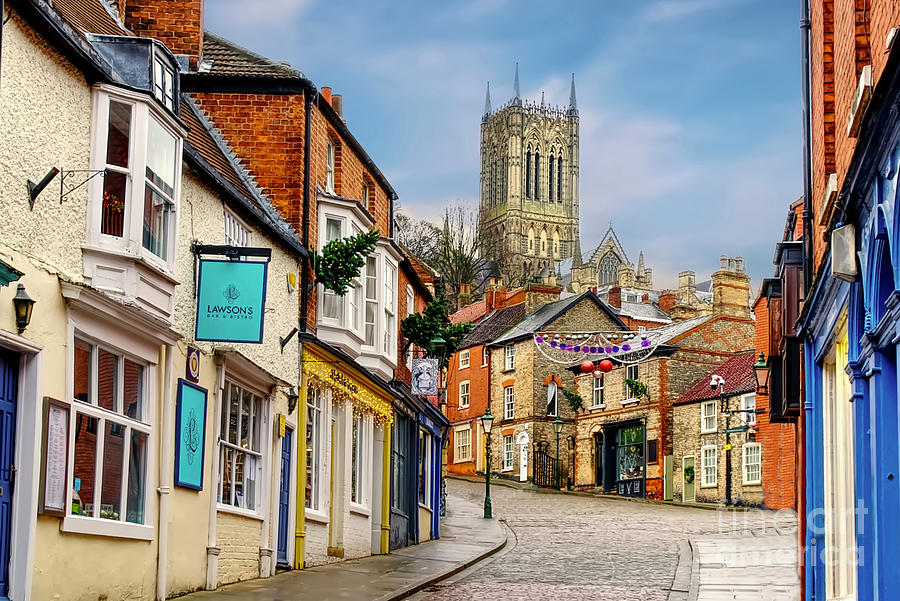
529,183
608,266
700,441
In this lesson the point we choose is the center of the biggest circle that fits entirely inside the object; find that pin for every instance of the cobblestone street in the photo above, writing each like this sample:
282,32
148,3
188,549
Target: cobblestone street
576,547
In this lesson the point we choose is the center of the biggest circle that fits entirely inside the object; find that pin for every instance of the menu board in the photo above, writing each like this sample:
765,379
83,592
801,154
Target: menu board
56,454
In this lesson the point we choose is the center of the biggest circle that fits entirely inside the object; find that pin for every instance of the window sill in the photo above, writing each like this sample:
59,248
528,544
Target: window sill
709,486
506,469
465,460
597,407
708,431
629,402
101,527
244,513
752,483
360,509
314,515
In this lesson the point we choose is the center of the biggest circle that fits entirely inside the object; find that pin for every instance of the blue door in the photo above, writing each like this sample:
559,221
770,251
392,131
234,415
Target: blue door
284,497
8,376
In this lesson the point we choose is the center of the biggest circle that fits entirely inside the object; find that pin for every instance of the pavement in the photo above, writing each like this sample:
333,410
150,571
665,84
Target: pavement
466,538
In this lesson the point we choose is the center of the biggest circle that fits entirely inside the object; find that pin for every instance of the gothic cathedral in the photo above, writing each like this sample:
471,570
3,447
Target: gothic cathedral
529,184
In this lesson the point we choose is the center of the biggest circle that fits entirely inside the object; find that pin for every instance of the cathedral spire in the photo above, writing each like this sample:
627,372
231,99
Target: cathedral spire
542,99
487,102
640,267
573,105
517,96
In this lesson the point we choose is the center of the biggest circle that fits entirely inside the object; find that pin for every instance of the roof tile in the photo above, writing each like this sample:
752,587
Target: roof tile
227,58
737,373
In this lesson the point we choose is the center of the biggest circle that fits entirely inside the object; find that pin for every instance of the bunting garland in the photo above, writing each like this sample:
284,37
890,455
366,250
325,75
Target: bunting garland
623,347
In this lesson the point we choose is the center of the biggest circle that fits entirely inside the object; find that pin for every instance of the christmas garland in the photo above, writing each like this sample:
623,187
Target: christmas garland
342,260
574,399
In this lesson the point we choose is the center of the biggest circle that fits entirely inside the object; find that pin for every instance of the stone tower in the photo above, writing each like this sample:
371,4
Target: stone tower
529,184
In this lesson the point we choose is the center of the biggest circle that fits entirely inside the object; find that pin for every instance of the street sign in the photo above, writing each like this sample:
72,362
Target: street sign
737,430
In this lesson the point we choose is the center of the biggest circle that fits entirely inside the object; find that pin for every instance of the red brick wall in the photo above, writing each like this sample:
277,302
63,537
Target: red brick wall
478,386
176,23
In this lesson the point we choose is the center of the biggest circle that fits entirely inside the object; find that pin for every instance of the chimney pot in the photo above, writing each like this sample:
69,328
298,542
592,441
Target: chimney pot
326,94
338,104
723,262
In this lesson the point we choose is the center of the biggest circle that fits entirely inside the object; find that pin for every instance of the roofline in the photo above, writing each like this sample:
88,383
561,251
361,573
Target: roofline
414,278
715,396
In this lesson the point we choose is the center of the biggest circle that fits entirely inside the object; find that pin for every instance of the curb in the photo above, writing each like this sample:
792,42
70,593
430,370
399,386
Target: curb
694,590
681,582
431,580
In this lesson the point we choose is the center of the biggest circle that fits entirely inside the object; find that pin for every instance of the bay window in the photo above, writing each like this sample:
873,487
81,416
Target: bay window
390,312
109,435
240,456
371,299
332,304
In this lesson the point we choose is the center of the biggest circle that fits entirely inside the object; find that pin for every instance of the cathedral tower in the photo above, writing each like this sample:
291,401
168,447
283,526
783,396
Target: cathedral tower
529,183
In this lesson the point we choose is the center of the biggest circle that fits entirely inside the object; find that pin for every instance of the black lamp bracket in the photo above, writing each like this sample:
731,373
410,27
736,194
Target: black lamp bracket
72,179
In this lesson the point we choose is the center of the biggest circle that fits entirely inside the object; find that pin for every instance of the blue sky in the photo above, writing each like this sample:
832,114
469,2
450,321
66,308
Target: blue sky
690,109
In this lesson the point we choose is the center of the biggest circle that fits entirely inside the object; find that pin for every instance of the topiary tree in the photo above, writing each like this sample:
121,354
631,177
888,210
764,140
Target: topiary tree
342,260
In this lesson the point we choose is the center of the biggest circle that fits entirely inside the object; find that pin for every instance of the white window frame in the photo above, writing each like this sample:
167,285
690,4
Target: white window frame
597,392
509,402
509,357
485,353
464,391
258,412
389,303
142,423
143,108
316,402
329,166
714,467
458,457
704,417
463,359
237,232
341,304
748,403
745,463
163,81
363,454
410,309
509,452
632,372
374,301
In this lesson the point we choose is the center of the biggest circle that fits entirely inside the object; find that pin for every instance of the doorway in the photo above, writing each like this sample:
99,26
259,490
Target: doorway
284,498
689,493
8,391
598,460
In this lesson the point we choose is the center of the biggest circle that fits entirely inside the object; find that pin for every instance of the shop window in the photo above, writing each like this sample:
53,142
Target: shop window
359,444
597,395
464,394
463,449
464,359
140,158
508,452
709,466
630,452
240,458
109,422
752,460
509,402
424,471
313,448
708,417
509,357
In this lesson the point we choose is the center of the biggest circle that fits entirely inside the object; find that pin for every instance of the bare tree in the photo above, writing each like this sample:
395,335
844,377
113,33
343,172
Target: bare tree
418,236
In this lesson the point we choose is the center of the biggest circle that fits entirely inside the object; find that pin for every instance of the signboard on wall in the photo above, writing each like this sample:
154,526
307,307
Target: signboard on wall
56,454
231,300
190,434
424,377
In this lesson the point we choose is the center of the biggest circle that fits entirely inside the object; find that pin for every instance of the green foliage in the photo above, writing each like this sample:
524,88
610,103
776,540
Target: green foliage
636,388
689,474
574,399
421,328
342,260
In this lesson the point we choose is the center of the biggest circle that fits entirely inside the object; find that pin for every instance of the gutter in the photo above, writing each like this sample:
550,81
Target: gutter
308,96
807,150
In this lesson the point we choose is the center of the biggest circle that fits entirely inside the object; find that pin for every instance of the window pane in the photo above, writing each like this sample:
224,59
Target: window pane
161,146
137,471
157,213
134,384
248,470
246,403
107,368
84,465
332,229
112,215
330,305
118,134
227,476
354,461
235,414
113,453
82,371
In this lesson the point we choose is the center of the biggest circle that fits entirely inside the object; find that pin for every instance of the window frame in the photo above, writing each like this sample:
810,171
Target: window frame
703,417
410,309
457,456
632,372
509,452
509,402
330,160
598,400
509,357
361,452
341,302
464,359
244,237
744,463
315,402
468,390
715,466
748,419
485,355
390,279
259,414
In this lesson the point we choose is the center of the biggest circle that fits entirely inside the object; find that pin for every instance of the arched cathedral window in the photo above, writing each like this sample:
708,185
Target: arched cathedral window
543,243
528,174
530,239
559,179
556,244
550,174
537,175
608,269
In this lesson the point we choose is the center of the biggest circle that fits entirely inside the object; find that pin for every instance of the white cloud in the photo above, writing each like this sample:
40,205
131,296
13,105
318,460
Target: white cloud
670,10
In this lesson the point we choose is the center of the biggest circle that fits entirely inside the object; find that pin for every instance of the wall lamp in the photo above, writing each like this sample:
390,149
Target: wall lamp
35,189
761,371
293,396
23,304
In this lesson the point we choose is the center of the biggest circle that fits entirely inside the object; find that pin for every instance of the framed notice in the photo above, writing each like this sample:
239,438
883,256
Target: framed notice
190,434
55,453
231,300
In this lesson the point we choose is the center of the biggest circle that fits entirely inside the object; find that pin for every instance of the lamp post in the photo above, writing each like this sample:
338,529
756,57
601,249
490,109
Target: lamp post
487,422
557,427
718,382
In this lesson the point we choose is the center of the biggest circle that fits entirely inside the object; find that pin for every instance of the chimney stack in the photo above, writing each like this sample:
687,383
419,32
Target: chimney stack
731,288
176,23
667,300
615,297
538,295
325,93
338,105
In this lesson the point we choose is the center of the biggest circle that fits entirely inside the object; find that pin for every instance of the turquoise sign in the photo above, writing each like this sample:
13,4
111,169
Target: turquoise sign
231,300
190,434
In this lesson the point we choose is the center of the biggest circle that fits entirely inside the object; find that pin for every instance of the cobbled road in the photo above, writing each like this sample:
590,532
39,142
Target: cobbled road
576,547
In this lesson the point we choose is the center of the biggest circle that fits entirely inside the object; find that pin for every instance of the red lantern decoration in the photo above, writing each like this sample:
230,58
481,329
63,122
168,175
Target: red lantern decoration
606,365
598,373
587,367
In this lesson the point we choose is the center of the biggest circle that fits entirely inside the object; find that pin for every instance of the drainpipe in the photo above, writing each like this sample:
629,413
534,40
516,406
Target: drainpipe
166,476
308,97
212,550
807,149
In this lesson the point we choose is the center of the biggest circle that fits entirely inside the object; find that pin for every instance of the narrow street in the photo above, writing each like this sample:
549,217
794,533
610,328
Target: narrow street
577,547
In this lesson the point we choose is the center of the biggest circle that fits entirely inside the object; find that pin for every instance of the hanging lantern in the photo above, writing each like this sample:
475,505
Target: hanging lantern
606,365
598,373
587,367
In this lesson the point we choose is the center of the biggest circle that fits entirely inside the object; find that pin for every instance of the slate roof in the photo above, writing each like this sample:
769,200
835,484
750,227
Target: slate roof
493,325
541,316
642,311
737,373
227,58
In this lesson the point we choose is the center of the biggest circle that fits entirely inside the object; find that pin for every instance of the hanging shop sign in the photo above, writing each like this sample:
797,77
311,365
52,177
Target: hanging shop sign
231,300
190,432
424,376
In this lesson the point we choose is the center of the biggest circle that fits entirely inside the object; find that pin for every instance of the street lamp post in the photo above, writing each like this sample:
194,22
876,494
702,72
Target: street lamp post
557,427
487,422
718,382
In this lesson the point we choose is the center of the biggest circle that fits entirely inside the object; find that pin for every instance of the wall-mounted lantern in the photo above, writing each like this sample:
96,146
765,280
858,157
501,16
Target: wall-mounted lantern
23,304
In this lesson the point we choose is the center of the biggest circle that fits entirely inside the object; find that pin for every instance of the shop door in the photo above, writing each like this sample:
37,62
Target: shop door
8,391
400,483
284,497
598,459
689,494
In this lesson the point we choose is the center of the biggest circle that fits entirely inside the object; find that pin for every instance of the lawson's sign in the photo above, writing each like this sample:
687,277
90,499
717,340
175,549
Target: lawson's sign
231,300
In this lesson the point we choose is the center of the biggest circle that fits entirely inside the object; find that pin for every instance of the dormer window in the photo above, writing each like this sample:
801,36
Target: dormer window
164,82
